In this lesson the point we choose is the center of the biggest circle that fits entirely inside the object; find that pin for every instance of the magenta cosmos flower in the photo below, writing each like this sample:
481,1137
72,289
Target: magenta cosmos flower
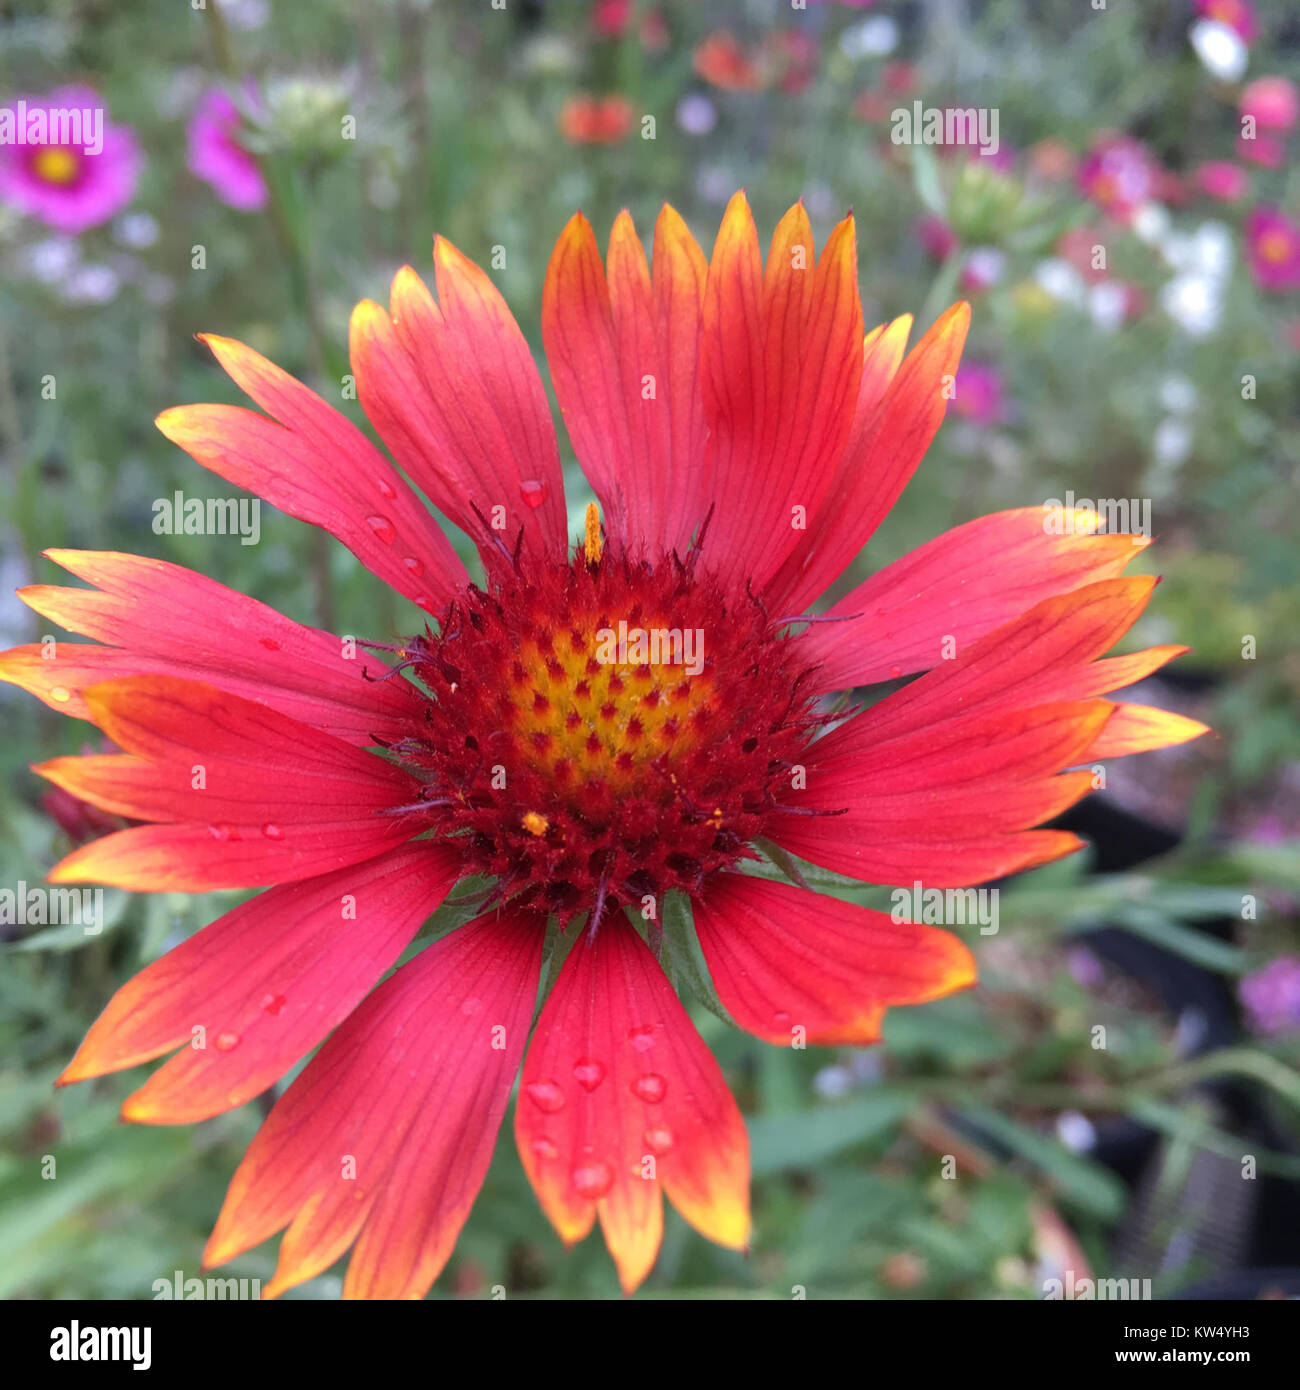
219,159
745,437
1273,249
69,185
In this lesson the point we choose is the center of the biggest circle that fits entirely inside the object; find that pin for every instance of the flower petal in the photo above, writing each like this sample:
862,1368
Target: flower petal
452,388
622,351
888,440
387,1134
620,1097
783,958
782,366
316,465
268,800
232,641
954,589
262,985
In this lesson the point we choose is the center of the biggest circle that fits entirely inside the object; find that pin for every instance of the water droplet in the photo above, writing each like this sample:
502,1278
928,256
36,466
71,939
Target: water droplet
222,832
780,1018
269,643
61,694
592,1180
383,528
226,1041
545,1095
415,566
895,672
471,1006
273,1003
386,489
543,1148
588,1074
642,1039
651,1088
658,1139
272,831
426,604
534,493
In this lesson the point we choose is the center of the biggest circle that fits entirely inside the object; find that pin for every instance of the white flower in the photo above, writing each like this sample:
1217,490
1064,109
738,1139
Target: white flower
1195,302
872,38
1222,50
1061,280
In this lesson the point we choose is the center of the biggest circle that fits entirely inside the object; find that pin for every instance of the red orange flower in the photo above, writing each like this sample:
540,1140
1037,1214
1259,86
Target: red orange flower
588,120
745,439
721,60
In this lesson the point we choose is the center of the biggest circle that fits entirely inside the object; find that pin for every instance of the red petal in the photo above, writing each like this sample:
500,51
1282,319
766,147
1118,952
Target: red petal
265,983
782,365
278,801
782,958
620,1097
453,389
390,1128
955,588
888,440
232,641
316,465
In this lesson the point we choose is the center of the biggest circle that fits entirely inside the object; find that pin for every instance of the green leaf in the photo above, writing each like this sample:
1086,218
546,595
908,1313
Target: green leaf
801,1138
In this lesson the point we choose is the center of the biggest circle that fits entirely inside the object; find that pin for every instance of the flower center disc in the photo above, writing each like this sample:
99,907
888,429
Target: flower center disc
606,731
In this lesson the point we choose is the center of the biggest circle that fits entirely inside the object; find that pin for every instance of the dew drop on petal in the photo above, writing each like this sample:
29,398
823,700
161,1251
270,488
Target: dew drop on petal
273,1003
543,1148
780,1018
895,672
658,1139
416,567
269,643
471,1006
588,1074
272,831
386,489
221,832
225,1042
60,694
383,528
651,1088
642,1039
545,1095
533,492
592,1180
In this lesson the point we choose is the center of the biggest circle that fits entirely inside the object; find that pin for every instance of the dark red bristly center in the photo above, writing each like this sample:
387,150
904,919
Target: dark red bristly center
581,782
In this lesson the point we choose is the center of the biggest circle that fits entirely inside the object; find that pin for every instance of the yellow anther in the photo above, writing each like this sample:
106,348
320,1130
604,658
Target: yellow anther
594,544
535,823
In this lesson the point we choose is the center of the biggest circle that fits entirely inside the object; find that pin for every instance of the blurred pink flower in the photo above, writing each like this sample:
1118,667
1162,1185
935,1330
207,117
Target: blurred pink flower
1271,997
1118,174
1238,15
977,393
1273,249
218,158
1219,179
67,186
1265,150
1273,101
1078,247
609,18
937,238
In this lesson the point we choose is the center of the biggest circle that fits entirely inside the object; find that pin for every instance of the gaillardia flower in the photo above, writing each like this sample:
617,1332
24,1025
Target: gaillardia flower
592,732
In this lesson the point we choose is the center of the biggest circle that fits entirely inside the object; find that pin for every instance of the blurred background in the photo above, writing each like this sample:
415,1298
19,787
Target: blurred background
1132,254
